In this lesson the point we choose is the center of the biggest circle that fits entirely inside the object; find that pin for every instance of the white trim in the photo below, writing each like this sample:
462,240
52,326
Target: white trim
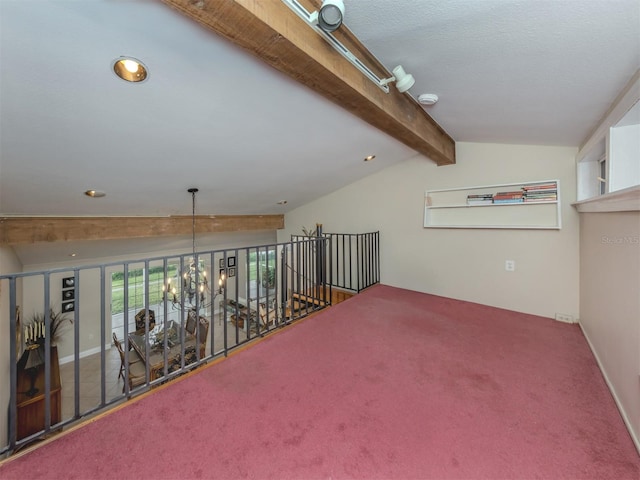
86,353
497,185
623,413
528,207
626,200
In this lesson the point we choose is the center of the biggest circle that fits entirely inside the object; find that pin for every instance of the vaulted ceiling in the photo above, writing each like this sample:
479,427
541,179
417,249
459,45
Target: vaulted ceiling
215,116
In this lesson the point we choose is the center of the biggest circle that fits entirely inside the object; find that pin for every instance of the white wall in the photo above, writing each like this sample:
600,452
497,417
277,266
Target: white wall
8,263
461,263
610,303
89,313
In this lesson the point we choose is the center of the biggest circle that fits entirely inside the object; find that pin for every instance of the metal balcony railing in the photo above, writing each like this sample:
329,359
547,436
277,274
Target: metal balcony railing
351,261
254,290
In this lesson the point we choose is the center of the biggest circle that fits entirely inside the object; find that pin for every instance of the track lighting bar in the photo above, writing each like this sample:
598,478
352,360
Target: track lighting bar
311,19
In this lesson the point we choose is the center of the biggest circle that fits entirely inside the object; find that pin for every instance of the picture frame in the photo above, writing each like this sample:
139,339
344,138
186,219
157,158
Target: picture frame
221,263
68,282
68,295
232,272
68,306
231,262
222,273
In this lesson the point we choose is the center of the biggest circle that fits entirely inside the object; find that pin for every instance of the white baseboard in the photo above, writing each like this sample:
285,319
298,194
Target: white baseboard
623,413
86,353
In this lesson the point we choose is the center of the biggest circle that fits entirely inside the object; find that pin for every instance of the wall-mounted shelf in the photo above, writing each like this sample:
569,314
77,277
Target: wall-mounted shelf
480,207
627,200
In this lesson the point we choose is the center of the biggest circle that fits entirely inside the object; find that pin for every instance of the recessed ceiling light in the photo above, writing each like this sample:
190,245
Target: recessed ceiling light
369,158
72,254
130,69
282,202
95,193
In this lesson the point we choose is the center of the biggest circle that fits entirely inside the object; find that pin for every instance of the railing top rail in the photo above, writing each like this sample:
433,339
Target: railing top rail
362,233
296,235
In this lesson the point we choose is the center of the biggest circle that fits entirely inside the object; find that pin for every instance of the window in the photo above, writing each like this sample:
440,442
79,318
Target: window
603,175
136,295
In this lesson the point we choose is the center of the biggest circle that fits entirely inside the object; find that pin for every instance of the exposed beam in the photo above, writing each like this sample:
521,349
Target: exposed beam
269,30
27,230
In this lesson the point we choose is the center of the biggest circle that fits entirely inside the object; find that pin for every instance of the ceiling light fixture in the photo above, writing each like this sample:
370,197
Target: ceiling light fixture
193,285
130,69
368,158
404,81
282,202
333,15
330,15
95,194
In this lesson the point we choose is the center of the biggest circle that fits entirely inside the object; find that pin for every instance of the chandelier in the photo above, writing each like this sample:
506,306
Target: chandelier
192,285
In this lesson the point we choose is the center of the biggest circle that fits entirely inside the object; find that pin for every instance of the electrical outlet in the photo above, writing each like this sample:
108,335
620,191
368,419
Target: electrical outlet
563,317
510,265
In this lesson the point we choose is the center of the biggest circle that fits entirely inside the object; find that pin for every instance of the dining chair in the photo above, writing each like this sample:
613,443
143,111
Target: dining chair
133,356
190,327
142,318
203,332
266,319
137,375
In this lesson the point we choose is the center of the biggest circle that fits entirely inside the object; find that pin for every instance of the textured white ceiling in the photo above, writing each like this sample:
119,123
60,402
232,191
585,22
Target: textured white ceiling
513,71
509,71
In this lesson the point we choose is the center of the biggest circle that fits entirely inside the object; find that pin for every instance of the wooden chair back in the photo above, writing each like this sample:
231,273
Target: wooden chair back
190,327
203,330
266,319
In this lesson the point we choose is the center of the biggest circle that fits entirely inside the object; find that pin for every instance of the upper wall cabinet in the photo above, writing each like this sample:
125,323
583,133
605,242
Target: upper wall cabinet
527,205
609,160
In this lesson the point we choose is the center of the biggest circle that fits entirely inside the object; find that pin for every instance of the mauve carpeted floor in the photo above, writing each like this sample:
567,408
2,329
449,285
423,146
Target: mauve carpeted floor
391,384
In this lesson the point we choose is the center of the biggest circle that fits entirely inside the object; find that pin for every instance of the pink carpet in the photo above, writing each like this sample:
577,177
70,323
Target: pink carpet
391,384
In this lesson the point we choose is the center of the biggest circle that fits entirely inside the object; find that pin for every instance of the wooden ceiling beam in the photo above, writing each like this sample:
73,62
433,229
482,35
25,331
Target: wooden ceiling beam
28,230
269,30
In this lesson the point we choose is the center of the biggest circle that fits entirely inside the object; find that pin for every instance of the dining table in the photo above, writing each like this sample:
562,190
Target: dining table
171,349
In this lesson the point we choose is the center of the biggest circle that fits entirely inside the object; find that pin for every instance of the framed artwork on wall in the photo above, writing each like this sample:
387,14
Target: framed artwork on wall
232,272
68,282
68,295
231,262
68,306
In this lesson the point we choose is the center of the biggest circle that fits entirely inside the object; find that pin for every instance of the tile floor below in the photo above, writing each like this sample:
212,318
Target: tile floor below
90,377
